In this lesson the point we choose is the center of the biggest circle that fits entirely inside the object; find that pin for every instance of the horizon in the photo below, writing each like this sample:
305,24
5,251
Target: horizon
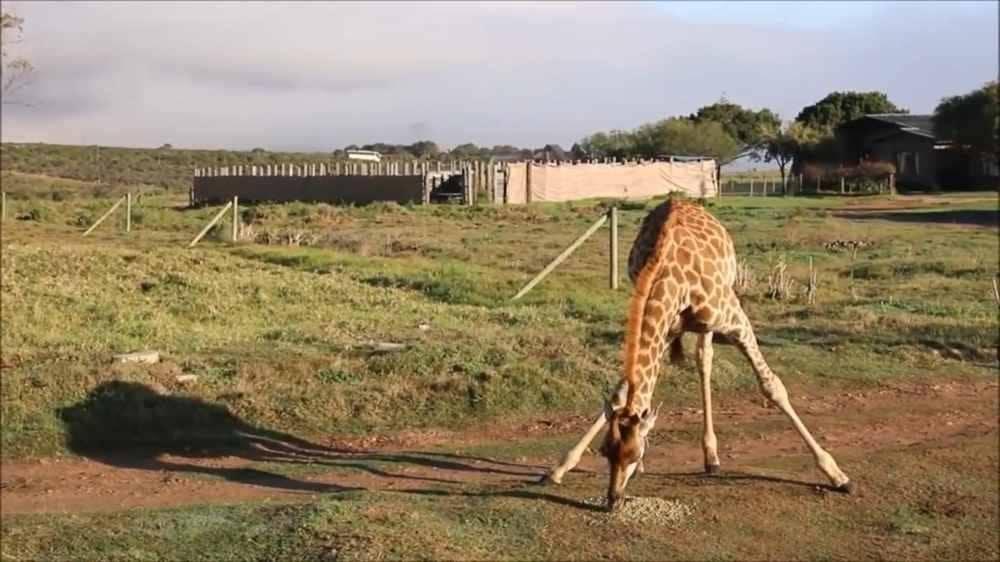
526,74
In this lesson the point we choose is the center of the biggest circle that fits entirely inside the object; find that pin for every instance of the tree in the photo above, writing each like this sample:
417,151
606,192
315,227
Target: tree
554,152
742,124
782,145
467,150
614,144
685,137
838,108
424,149
14,70
971,121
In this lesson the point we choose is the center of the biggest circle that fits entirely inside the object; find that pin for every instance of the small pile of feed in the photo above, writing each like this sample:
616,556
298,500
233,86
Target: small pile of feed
649,510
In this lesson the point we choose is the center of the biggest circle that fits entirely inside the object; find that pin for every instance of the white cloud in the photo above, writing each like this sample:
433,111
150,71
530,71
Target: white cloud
323,75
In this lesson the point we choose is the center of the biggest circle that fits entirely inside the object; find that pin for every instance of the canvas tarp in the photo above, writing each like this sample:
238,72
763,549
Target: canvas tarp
567,182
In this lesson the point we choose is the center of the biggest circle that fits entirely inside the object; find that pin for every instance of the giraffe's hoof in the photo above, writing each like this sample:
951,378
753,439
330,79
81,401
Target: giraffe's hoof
712,469
847,488
548,479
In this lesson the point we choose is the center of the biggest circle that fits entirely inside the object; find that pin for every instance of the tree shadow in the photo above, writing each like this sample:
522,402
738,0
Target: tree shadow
129,425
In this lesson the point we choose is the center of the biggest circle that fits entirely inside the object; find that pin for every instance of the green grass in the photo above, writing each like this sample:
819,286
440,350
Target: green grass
283,331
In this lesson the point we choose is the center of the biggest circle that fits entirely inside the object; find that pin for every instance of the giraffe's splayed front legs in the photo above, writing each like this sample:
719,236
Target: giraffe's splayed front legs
573,456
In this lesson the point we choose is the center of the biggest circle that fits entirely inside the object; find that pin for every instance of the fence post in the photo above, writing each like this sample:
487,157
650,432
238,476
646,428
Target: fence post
842,190
892,184
128,212
751,186
104,216
3,212
561,257
613,213
527,182
236,218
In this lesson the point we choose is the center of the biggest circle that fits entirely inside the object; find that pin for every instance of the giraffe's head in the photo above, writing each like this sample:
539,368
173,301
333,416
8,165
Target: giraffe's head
624,446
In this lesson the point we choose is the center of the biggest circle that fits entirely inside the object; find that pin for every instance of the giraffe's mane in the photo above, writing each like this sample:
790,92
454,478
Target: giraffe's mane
637,305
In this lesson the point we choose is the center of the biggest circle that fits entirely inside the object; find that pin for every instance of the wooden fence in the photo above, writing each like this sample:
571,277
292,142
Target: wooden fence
800,185
350,181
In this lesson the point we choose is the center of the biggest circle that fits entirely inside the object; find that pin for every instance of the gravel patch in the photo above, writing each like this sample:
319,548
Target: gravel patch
657,511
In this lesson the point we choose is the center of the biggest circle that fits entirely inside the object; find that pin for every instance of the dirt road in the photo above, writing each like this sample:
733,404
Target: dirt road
893,416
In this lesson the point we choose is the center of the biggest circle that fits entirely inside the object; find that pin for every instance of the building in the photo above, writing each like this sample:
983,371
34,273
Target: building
922,160
368,155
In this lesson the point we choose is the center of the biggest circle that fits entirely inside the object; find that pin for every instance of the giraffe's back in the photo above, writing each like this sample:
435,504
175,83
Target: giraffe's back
701,246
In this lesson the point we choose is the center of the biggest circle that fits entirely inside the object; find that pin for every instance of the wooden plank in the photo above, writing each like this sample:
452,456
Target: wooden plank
561,257
209,226
613,271
104,216
236,218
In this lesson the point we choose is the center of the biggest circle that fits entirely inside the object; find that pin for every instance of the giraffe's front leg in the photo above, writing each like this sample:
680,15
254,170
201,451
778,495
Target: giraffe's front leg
573,456
709,443
774,390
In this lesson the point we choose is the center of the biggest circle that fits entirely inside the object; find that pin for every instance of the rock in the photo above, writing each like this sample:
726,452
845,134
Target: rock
149,357
384,347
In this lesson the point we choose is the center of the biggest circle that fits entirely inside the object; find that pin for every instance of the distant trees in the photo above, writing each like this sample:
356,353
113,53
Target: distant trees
972,120
838,108
783,144
14,71
743,124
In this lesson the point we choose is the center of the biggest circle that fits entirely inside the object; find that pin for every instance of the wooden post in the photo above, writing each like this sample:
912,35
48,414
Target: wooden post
751,186
128,212
209,226
561,257
104,216
842,191
613,271
892,184
3,209
236,218
527,182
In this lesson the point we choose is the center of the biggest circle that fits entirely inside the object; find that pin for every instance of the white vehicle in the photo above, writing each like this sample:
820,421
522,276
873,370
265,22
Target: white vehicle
369,155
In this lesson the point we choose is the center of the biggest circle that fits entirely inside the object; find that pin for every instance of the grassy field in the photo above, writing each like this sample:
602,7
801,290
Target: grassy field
280,340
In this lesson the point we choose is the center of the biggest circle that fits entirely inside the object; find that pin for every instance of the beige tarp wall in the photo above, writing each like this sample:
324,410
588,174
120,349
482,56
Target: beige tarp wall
567,182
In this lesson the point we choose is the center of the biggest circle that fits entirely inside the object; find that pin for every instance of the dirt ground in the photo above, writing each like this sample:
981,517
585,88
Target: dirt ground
893,416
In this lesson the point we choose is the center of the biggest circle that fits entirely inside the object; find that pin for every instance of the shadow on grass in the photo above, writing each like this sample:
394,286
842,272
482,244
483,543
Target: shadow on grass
129,425
972,217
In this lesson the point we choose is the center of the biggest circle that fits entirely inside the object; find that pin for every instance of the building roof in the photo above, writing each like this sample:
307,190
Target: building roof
922,125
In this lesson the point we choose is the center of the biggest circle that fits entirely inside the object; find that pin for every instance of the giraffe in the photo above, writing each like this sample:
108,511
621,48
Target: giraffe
683,266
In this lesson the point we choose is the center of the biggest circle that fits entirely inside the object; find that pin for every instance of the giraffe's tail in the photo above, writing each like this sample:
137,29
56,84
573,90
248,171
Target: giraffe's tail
676,351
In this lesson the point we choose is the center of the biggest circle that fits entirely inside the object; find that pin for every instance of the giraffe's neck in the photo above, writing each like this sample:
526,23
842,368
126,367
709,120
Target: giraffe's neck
652,343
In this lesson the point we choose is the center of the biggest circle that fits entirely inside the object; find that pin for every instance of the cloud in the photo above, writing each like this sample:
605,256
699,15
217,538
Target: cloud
322,75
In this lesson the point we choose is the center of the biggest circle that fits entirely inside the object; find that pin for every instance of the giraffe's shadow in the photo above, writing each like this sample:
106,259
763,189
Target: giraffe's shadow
129,425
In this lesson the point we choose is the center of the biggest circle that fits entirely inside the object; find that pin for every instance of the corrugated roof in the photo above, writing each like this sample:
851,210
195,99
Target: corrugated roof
922,125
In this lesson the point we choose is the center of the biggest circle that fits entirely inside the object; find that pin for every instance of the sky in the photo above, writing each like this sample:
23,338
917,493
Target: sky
320,76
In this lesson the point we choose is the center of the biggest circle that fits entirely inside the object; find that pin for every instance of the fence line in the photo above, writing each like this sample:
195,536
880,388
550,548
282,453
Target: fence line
482,180
799,185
